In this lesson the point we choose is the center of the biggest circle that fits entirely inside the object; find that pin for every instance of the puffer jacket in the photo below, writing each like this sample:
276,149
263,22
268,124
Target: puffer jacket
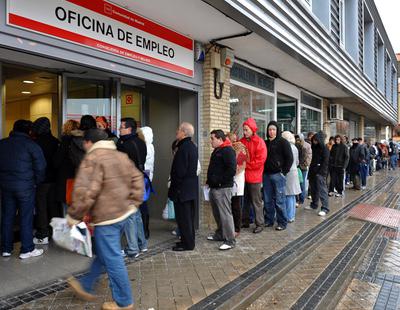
257,151
107,185
22,163
148,138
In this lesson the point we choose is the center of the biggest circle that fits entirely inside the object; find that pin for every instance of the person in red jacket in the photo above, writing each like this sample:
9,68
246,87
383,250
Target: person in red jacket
253,175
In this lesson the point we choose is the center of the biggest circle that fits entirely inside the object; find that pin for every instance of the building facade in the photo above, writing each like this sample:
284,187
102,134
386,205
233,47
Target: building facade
311,65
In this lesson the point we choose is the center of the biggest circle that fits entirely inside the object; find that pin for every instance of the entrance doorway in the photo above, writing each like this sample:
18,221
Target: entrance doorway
29,94
286,113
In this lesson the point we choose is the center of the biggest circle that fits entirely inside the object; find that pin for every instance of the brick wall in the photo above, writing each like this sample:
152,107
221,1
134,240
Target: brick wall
214,114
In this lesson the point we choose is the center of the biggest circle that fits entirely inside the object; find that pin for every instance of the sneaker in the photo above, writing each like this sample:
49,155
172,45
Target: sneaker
112,305
34,253
144,250
297,205
134,255
308,208
291,221
363,188
339,195
225,247
257,230
76,286
309,197
213,238
123,253
6,254
41,241
330,194
322,213
280,228
173,232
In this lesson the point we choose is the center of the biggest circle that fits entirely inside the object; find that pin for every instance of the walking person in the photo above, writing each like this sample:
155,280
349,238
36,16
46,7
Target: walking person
109,187
239,180
318,174
276,167
338,161
253,175
130,144
220,174
22,169
46,206
292,179
305,156
183,190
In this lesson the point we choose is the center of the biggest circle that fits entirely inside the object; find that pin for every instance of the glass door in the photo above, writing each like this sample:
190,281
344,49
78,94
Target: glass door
286,111
83,96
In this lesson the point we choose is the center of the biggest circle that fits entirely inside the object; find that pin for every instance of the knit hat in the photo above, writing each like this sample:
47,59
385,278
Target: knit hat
41,126
103,121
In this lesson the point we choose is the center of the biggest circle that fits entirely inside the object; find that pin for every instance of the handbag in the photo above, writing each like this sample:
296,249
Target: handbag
300,174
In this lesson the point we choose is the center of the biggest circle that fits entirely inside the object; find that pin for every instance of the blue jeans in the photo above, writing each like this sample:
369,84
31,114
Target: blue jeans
24,202
109,258
393,161
364,174
274,198
291,207
134,233
304,187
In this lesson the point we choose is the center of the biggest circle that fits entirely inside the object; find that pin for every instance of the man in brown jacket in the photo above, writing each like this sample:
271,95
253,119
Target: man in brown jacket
109,187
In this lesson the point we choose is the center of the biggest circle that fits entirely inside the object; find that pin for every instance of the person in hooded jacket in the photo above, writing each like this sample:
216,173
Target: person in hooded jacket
318,173
22,169
338,161
46,207
253,175
305,156
276,167
220,174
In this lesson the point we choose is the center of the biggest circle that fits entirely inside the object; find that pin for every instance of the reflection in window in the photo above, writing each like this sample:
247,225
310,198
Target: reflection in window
310,120
247,103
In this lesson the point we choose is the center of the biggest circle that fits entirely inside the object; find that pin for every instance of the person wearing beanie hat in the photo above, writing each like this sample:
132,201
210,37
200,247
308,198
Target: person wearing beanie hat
46,205
253,174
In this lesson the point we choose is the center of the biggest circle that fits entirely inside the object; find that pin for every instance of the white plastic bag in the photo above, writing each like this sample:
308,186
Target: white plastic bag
76,238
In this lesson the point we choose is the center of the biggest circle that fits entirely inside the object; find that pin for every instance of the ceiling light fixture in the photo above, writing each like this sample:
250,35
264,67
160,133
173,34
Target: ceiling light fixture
28,82
25,92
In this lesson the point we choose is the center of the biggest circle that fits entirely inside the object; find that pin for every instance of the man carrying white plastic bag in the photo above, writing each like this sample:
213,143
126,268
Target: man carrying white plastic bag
108,186
76,238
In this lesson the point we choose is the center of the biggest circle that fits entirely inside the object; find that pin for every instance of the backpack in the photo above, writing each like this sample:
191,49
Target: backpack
75,153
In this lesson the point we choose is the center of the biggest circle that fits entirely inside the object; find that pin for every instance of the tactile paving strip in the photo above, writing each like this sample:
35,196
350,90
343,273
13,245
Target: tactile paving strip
378,215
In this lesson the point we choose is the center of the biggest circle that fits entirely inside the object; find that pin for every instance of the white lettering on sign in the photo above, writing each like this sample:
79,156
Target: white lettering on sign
104,26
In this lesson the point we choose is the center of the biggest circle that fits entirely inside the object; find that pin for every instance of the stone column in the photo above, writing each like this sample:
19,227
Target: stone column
361,124
214,114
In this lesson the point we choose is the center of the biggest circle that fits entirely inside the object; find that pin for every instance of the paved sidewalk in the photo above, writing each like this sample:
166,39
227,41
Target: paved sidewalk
163,279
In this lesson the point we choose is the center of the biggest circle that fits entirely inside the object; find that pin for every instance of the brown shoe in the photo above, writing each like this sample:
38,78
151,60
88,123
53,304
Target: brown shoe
79,291
112,305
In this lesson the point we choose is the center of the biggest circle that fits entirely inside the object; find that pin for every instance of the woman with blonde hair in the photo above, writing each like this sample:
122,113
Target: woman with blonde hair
292,179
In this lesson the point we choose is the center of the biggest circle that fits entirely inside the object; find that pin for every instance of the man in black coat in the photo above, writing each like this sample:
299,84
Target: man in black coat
338,161
183,190
46,207
220,174
22,169
318,173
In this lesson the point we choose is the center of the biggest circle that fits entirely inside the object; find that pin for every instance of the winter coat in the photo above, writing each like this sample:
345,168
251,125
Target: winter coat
280,157
292,177
320,157
339,156
242,156
22,163
305,155
148,138
49,145
184,180
257,154
355,158
65,169
107,185
138,153
222,167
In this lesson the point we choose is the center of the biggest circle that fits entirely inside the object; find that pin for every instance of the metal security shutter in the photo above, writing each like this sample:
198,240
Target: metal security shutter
361,34
335,20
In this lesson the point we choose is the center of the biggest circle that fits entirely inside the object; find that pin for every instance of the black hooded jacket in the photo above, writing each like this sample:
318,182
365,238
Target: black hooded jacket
279,153
320,156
